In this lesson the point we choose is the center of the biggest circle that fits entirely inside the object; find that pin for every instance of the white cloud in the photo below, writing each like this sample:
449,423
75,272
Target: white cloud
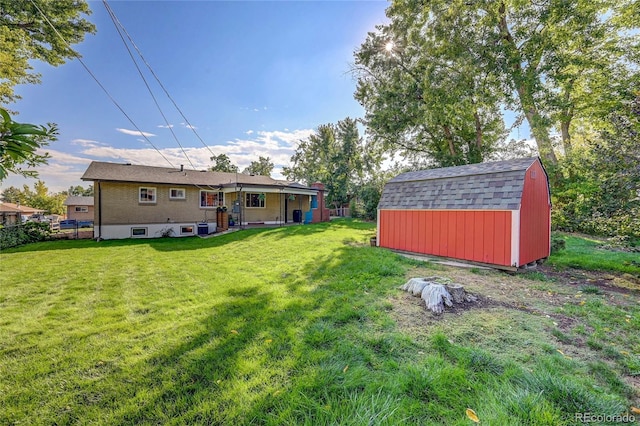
164,126
65,169
86,142
134,132
189,126
249,132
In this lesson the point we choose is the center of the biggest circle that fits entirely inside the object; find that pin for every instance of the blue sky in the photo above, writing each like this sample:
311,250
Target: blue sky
253,78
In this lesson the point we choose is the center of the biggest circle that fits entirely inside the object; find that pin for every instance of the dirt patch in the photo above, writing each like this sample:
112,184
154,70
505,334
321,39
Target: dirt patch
514,310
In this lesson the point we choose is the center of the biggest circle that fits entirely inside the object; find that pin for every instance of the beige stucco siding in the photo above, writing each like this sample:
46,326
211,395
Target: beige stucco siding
73,214
121,205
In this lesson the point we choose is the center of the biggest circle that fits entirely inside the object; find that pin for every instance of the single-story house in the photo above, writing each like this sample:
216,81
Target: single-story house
79,208
134,201
11,214
496,213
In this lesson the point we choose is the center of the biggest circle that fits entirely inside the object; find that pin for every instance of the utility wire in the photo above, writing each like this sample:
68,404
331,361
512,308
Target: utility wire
100,84
156,78
118,25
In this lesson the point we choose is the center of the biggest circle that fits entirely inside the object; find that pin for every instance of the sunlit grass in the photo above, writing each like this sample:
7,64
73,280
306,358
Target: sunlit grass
272,326
585,253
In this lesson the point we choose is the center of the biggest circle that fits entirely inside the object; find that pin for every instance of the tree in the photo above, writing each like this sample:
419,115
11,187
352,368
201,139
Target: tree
262,167
26,34
19,145
556,63
12,195
38,197
80,191
600,192
222,163
337,156
425,99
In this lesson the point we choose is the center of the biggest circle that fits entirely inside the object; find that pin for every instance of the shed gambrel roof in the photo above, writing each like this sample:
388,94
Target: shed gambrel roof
485,186
118,172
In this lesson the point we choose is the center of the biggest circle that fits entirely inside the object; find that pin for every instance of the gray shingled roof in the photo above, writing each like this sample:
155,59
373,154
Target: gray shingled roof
494,186
119,172
73,200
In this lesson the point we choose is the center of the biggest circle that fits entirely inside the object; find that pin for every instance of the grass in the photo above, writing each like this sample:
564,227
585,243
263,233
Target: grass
585,253
292,326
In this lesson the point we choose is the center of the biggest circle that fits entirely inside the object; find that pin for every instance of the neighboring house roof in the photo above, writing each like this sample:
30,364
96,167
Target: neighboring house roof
15,208
118,172
496,186
74,200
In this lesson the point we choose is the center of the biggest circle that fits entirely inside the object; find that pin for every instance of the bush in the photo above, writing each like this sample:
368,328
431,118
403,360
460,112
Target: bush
30,232
557,243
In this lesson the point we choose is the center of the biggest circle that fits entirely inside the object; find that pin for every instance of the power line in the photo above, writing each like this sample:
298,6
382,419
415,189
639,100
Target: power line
188,124
118,25
104,89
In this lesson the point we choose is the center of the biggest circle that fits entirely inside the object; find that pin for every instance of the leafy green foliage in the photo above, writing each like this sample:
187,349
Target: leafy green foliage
262,167
80,191
337,156
222,163
598,192
30,232
39,197
435,79
558,243
20,145
25,35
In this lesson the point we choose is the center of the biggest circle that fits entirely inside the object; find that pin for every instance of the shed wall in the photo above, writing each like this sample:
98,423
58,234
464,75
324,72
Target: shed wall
475,235
535,216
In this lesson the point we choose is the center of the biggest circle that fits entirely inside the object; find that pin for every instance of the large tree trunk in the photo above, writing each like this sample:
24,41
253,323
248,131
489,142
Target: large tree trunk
523,82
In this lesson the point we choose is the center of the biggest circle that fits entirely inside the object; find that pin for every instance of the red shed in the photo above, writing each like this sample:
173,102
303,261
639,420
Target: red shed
496,213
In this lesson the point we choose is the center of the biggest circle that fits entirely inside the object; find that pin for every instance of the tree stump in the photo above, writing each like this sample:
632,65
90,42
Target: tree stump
437,295
456,291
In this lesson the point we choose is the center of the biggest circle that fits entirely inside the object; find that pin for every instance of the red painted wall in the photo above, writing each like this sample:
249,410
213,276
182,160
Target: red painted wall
481,236
535,216
321,213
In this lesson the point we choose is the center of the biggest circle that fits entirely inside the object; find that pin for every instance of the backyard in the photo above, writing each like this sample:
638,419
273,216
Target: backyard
306,325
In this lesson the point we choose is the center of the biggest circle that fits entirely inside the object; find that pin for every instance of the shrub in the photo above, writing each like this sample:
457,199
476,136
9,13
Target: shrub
30,232
557,243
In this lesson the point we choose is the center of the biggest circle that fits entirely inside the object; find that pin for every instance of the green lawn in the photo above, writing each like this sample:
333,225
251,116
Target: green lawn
587,253
293,325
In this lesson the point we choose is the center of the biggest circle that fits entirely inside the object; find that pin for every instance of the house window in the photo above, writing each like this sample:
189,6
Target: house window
186,230
254,200
81,209
314,201
138,232
211,199
147,195
177,194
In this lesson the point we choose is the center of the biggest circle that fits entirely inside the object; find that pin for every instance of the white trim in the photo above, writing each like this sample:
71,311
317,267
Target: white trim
515,238
155,194
378,229
448,210
154,230
265,222
193,230
184,194
270,190
263,201
220,202
139,228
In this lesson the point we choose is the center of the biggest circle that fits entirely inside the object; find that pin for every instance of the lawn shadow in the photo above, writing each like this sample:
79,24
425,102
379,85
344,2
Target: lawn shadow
230,371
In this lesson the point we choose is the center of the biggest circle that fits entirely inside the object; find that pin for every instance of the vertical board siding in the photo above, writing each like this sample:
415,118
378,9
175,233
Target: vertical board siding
535,216
481,236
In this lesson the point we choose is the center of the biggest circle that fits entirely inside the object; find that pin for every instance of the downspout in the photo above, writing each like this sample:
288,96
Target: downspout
99,212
